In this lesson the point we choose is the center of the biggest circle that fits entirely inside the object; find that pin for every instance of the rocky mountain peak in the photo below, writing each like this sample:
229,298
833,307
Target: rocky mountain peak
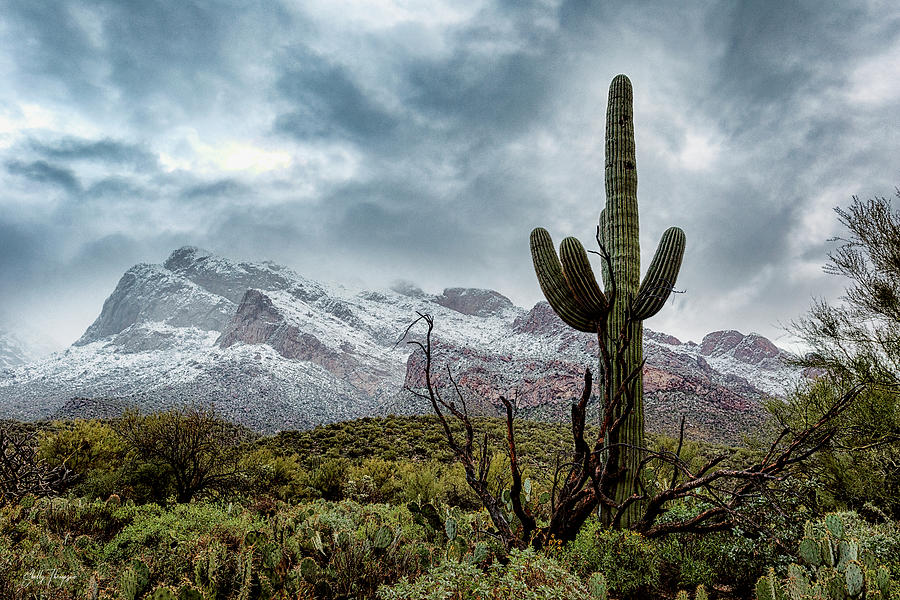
752,348
474,301
540,320
152,293
662,338
184,258
230,279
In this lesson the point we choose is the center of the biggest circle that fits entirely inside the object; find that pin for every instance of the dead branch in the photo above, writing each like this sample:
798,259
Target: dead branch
22,472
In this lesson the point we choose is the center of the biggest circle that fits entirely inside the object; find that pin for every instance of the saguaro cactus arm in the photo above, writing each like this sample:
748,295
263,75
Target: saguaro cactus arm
660,276
553,283
580,277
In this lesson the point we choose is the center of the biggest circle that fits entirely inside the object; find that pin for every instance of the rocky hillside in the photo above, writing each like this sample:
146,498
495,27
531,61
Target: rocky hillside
273,350
717,385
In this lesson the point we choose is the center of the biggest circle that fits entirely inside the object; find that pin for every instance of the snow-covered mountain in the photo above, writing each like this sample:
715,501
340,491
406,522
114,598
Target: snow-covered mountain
274,350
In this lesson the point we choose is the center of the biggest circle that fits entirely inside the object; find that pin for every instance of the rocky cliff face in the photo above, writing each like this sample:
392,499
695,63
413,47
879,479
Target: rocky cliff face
272,350
260,320
151,293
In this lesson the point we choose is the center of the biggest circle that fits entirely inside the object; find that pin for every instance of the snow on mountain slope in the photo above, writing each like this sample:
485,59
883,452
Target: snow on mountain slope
273,350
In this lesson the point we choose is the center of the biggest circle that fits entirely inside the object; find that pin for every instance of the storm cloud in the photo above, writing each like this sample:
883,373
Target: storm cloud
422,141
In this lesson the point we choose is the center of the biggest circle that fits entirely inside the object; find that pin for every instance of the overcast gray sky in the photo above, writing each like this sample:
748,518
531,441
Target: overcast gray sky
369,141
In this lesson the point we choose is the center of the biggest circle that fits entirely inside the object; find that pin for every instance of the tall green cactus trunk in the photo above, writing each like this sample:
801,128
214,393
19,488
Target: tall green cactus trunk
615,315
622,240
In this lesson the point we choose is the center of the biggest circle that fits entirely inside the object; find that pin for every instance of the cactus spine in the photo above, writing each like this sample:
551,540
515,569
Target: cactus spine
616,315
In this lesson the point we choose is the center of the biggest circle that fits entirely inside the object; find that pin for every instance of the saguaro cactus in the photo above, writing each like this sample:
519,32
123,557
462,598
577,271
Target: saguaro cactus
616,313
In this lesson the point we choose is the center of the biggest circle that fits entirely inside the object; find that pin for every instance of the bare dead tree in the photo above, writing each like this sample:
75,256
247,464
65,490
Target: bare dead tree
22,472
593,468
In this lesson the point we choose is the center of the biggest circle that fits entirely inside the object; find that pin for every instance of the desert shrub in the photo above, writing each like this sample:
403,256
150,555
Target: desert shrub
329,478
627,559
280,476
455,491
398,482
89,448
23,471
166,530
685,561
53,547
374,480
735,557
856,342
422,484
859,469
528,575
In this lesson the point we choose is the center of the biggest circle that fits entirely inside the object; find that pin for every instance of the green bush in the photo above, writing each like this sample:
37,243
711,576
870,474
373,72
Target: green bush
280,476
329,478
528,575
91,449
627,559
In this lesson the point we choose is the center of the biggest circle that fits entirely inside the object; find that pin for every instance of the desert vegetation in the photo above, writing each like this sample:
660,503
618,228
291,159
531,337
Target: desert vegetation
380,508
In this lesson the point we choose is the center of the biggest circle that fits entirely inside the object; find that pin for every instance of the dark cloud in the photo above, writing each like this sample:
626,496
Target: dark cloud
222,187
115,187
60,50
482,93
42,172
779,57
329,103
105,150
153,62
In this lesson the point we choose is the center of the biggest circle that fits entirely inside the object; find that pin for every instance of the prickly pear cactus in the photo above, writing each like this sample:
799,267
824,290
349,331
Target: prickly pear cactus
834,567
134,580
383,538
128,585
615,314
853,575
189,592
810,551
254,538
797,584
835,526
767,587
163,593
309,570
480,553
450,528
